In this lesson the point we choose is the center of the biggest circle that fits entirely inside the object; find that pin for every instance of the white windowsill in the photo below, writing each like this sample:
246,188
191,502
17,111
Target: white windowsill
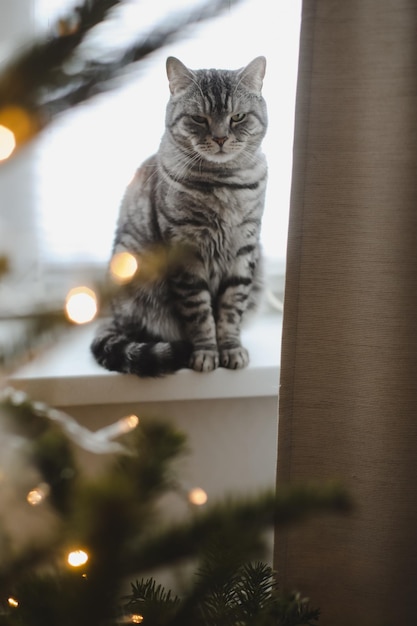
67,375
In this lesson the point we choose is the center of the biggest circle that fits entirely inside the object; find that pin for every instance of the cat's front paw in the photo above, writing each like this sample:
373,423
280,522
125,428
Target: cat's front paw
234,358
204,360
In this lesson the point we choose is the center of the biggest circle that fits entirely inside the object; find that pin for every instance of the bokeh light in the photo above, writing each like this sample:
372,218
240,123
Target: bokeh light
7,142
76,558
197,496
17,126
123,267
37,496
136,619
12,602
81,305
128,423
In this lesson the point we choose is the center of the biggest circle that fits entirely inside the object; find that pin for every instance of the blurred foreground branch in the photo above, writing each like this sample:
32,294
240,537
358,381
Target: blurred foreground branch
54,73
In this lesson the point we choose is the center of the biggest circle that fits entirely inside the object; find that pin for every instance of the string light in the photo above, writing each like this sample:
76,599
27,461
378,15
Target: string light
128,423
123,267
76,558
12,602
135,618
197,496
122,426
37,496
81,305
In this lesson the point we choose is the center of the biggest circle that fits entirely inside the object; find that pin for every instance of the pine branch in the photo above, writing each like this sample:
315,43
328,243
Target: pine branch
150,600
98,76
243,518
254,590
35,87
38,330
224,595
39,67
113,516
35,557
147,590
288,610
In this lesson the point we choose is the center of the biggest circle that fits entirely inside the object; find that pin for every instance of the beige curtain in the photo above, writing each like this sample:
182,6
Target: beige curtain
348,399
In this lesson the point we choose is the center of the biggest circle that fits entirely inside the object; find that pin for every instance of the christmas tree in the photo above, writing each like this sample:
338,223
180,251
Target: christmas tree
84,538
86,550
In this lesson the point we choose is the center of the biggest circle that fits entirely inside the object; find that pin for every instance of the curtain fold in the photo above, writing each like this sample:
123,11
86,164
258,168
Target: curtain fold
348,392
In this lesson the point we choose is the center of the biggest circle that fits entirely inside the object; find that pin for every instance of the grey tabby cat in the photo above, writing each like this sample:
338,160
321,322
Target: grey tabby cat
204,189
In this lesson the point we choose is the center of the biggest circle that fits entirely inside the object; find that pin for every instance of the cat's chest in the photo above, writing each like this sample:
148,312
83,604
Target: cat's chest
217,219
220,233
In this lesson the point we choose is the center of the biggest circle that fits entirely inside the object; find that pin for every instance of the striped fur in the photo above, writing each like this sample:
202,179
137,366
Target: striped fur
204,189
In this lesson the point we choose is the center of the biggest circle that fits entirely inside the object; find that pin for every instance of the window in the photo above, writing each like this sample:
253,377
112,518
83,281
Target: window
86,159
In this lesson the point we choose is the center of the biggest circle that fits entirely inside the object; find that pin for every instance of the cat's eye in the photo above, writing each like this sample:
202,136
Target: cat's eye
199,119
238,117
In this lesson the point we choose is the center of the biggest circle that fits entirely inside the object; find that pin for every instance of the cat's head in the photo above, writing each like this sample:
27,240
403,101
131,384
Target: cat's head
216,114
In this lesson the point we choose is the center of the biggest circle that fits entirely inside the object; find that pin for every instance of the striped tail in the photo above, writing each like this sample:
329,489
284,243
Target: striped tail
142,356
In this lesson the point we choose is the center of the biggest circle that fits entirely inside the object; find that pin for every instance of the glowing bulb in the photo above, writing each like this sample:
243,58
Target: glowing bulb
81,305
197,496
128,423
12,602
136,619
37,496
76,558
125,425
123,266
7,142
16,127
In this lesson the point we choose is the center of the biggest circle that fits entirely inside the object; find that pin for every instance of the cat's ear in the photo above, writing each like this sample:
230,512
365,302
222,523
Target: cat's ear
179,75
253,74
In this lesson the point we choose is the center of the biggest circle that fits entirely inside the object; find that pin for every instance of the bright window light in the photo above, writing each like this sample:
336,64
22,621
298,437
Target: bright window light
88,157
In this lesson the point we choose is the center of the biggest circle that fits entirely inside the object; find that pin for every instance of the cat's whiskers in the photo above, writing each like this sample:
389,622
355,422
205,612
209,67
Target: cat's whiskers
181,169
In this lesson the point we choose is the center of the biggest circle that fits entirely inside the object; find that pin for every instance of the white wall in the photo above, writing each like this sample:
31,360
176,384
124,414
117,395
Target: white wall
233,444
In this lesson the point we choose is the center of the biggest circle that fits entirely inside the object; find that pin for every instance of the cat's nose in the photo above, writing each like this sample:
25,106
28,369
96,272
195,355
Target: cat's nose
219,140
